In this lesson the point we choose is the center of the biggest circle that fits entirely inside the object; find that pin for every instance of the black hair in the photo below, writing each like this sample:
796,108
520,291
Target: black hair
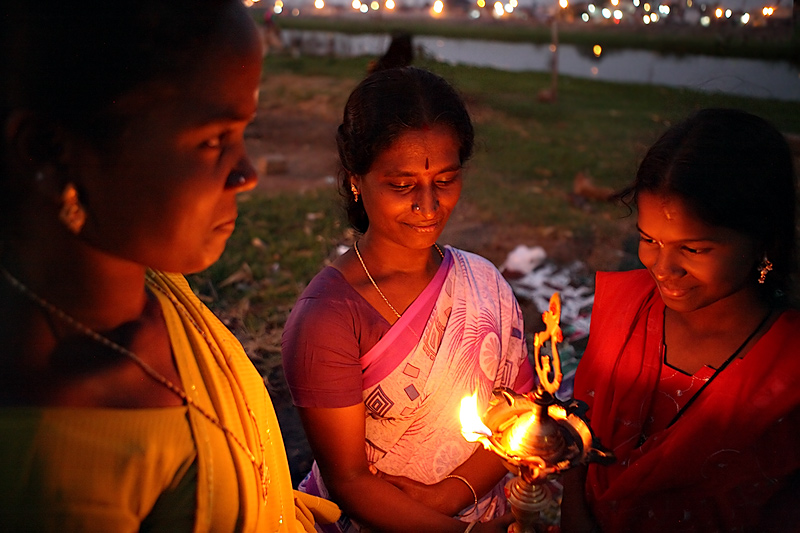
386,104
734,170
71,60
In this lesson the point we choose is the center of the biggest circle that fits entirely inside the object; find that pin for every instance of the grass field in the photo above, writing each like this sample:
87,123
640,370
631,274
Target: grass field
522,174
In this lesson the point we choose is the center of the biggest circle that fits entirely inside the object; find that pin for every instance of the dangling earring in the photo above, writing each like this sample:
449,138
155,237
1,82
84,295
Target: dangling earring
355,192
763,269
72,214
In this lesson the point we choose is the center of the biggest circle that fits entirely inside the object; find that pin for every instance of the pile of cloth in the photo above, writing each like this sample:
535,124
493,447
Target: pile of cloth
534,278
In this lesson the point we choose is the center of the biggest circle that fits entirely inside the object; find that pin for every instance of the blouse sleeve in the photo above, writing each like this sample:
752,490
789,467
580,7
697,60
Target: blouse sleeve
320,348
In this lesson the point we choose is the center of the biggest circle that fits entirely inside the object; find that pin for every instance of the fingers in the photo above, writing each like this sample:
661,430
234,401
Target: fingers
303,515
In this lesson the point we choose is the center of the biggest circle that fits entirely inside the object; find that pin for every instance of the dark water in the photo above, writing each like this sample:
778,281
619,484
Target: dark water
744,77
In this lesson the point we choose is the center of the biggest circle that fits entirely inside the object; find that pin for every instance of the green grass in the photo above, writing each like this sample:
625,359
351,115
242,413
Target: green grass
527,155
283,241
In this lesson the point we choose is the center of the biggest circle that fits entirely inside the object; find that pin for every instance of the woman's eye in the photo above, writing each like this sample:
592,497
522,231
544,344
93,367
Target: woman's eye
400,186
646,240
216,142
691,250
448,179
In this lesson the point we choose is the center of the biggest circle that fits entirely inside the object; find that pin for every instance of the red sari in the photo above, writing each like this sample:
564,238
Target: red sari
726,464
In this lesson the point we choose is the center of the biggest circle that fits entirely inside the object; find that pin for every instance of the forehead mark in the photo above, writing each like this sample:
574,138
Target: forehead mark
426,163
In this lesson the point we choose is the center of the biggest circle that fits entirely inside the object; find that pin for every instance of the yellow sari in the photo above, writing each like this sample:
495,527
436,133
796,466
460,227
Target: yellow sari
166,469
218,376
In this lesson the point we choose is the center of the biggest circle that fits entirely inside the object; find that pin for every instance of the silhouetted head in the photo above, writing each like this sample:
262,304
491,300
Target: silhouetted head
399,54
138,109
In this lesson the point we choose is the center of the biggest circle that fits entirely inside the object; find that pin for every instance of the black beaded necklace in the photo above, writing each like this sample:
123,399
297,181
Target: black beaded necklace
716,373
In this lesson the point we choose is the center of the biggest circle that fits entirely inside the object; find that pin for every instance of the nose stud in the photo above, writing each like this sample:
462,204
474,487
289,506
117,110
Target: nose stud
235,179
415,207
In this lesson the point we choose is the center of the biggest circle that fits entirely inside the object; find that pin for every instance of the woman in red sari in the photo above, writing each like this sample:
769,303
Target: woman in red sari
692,372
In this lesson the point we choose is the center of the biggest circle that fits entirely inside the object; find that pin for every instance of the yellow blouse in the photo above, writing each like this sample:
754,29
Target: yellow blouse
65,469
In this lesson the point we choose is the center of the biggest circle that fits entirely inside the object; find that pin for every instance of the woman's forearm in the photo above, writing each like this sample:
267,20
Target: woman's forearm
380,506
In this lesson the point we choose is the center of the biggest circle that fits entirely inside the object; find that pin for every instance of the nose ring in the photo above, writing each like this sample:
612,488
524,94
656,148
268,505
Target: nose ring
415,207
236,179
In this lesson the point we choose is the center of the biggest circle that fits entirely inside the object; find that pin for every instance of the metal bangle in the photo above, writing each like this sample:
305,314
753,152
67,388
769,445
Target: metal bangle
474,494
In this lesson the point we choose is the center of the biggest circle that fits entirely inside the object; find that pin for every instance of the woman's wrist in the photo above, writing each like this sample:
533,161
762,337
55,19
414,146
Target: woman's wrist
463,480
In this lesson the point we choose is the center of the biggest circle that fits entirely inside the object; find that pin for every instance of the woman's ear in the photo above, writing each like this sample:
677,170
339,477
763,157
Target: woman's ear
34,143
41,151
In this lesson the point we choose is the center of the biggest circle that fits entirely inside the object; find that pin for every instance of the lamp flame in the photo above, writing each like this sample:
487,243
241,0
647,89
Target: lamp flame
472,427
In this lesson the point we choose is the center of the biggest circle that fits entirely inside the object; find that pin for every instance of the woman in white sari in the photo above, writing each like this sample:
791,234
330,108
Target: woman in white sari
383,345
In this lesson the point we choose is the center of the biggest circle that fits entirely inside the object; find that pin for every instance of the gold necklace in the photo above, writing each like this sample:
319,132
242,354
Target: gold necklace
260,467
361,260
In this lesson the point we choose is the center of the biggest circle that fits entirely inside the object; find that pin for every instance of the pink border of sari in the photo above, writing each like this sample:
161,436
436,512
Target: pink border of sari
406,333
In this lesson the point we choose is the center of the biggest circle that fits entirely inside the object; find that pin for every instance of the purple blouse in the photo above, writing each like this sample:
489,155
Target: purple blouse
330,327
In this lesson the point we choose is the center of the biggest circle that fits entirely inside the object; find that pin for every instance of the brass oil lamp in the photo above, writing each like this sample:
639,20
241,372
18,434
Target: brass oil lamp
537,436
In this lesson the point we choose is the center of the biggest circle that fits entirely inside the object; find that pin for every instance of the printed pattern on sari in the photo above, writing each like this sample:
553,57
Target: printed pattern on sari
471,339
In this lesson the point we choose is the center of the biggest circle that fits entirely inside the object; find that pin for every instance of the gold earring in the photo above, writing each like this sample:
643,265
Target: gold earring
355,192
763,269
72,214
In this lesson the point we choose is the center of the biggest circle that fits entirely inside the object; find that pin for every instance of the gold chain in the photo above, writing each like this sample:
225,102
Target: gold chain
149,370
366,271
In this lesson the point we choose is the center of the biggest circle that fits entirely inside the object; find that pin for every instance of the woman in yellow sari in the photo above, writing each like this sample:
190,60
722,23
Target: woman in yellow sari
125,405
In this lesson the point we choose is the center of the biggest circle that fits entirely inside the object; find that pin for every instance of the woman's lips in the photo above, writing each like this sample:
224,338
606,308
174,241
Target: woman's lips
672,292
426,228
227,227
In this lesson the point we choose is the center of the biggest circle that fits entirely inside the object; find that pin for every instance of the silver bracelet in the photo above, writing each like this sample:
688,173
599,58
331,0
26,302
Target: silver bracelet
474,494
470,526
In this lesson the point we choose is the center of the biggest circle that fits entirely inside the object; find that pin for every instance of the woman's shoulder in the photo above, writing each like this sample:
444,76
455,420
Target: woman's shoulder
630,285
787,325
328,284
329,274
475,262
329,301
639,277
470,257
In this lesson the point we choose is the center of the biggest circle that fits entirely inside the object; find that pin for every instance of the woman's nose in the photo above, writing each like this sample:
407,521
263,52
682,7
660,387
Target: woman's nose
665,265
243,177
426,202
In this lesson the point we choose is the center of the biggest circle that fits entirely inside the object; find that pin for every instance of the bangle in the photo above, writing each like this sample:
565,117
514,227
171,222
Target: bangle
474,495
470,526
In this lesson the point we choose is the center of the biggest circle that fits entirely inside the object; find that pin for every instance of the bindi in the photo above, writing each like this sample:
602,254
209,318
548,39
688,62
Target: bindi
426,163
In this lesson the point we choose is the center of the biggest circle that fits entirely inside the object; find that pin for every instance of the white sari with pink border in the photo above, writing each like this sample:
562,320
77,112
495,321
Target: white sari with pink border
464,333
